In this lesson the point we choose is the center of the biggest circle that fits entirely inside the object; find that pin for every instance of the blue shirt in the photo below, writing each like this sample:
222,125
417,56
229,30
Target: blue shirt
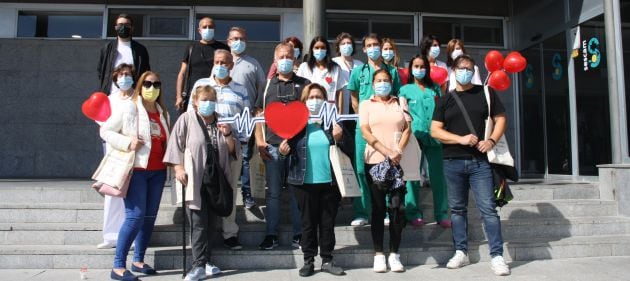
317,156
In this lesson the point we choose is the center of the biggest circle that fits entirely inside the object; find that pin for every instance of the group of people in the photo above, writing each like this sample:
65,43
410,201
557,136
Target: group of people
394,104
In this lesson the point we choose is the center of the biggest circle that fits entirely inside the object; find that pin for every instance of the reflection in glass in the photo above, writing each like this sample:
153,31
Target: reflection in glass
532,115
625,34
59,25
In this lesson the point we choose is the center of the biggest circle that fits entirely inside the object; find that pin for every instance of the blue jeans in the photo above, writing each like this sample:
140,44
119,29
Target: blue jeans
476,175
246,152
141,208
275,174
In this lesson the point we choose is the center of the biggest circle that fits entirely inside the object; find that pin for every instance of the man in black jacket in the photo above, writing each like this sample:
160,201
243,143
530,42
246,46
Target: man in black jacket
121,50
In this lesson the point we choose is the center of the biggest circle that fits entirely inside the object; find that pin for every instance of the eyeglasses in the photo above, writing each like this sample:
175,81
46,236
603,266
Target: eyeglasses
148,84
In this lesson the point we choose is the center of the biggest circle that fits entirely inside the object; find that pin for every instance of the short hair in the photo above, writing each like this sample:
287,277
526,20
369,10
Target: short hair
382,70
281,46
205,18
225,52
340,37
372,36
203,89
450,47
239,29
124,16
461,58
307,89
118,69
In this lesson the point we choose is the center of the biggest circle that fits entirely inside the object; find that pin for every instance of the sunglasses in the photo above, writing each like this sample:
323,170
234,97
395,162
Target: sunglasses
148,84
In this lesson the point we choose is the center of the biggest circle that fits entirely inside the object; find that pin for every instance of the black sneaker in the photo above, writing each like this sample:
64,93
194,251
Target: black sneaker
270,242
295,242
333,269
307,270
232,243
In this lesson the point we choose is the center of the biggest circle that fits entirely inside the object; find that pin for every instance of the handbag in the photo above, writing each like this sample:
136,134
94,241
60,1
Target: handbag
500,172
410,160
114,173
500,152
344,173
214,181
257,176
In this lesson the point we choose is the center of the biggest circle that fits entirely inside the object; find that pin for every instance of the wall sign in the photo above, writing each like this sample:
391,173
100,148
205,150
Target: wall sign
556,62
591,54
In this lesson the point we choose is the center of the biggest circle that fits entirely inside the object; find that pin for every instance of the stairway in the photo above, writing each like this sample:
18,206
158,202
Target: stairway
56,224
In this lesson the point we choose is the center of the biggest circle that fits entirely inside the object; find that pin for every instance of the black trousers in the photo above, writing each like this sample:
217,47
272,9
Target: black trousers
318,204
203,226
396,214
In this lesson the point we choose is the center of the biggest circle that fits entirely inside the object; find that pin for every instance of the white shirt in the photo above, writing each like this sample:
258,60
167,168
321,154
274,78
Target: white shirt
332,81
346,70
124,55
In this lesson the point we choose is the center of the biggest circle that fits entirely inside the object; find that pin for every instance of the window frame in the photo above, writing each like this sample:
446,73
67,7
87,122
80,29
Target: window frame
146,7
81,9
503,26
415,15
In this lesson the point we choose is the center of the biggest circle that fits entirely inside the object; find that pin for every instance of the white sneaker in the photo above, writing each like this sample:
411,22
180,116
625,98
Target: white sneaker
380,265
106,245
195,274
386,221
498,265
458,260
211,270
394,263
359,222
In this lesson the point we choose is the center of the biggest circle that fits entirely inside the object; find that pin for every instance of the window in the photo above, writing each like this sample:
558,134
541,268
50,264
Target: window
59,24
259,27
157,23
398,27
474,31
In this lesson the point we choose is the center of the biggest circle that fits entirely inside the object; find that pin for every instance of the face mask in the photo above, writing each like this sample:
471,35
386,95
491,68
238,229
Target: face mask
419,73
238,46
296,52
285,66
388,55
150,94
125,82
206,107
346,49
319,54
123,31
374,52
434,52
463,76
221,71
456,53
314,105
382,89
207,34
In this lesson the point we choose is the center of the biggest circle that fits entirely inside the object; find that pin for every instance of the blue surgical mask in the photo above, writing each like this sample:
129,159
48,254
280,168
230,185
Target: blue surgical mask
296,52
388,55
238,46
319,54
419,73
314,105
285,66
125,82
207,34
434,52
463,76
374,52
220,71
346,49
206,107
382,89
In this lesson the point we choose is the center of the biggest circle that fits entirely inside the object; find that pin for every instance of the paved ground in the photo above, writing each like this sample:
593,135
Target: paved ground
588,269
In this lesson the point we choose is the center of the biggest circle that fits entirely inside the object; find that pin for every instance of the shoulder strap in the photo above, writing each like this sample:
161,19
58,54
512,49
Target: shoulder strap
486,92
464,112
186,82
203,129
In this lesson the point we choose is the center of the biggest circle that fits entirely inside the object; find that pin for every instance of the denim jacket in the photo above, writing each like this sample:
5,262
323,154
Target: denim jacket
297,156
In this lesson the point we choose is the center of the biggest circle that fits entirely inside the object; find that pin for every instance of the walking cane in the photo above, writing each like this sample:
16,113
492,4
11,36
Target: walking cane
184,231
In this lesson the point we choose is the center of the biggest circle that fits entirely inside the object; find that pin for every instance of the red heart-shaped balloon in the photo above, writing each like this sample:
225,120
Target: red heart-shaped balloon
286,120
438,74
514,62
494,60
97,107
499,80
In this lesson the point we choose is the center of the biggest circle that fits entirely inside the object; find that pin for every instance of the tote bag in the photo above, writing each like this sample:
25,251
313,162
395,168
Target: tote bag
114,173
500,153
344,173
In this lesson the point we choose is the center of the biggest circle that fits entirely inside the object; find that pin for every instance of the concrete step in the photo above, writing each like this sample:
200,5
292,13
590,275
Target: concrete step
168,214
79,191
252,234
164,258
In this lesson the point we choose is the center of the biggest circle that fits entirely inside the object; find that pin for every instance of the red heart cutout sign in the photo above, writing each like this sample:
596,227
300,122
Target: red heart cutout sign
97,107
286,120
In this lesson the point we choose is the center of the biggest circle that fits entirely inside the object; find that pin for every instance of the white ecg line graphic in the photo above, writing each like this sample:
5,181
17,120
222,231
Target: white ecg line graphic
244,123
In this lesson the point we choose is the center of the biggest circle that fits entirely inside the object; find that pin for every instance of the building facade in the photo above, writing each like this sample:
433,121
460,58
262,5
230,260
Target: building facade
559,108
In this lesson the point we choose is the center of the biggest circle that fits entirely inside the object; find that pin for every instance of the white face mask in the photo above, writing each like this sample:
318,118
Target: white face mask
456,53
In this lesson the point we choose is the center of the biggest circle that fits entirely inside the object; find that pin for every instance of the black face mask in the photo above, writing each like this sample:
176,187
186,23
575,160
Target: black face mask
123,31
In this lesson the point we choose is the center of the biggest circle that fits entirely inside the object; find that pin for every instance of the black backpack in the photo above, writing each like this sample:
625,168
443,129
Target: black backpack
214,182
